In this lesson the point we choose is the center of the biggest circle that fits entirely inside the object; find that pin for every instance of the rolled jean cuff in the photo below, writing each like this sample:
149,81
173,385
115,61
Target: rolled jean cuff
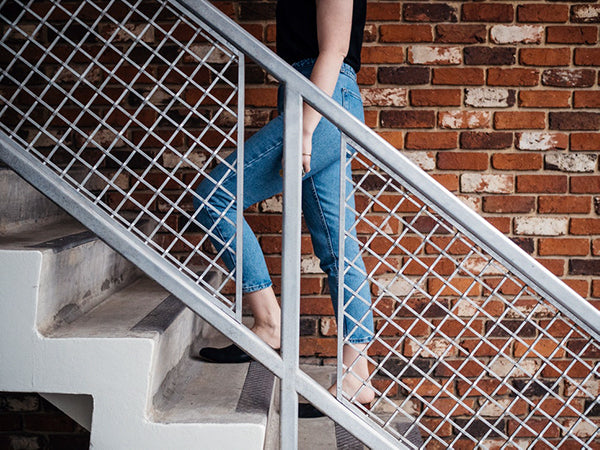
256,287
359,340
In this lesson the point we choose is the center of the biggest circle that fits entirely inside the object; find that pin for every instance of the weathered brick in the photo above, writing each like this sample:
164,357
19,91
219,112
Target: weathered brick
545,56
487,12
544,99
429,12
490,183
460,34
552,204
568,77
542,12
516,161
589,184
425,160
517,34
461,76
403,75
383,11
541,140
377,54
587,56
563,247
572,34
462,161
571,162
407,119
438,140
586,99
512,77
585,141
405,33
541,226
584,266
574,120
584,226
489,97
426,54
515,120
508,204
490,56
435,97
542,183
384,96
485,140
463,119
585,13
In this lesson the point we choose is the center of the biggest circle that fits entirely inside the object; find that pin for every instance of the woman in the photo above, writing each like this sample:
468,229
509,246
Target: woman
322,39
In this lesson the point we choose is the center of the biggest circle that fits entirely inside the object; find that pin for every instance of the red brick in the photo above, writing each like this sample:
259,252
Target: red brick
586,99
503,224
261,97
440,140
541,183
395,138
587,56
487,12
428,12
543,12
584,226
310,346
435,97
563,246
462,161
382,54
545,56
463,119
585,184
383,11
595,247
405,33
316,306
485,140
544,99
556,266
512,77
517,161
461,76
585,141
407,119
448,180
518,120
460,34
489,56
570,120
271,33
560,204
537,425
595,288
569,77
367,75
508,204
372,118
572,35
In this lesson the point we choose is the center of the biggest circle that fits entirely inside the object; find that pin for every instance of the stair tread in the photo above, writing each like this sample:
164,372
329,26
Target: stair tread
205,393
52,236
119,314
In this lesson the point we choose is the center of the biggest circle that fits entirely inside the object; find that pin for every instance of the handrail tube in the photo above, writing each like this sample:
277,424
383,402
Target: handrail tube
194,296
468,221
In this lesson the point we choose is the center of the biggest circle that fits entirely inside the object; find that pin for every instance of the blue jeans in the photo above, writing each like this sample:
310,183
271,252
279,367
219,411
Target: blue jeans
320,205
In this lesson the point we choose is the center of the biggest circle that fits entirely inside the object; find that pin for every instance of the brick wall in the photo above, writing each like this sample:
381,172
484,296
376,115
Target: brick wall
28,422
498,101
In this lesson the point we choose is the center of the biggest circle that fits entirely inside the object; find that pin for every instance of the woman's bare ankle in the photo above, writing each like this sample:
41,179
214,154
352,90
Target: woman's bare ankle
271,334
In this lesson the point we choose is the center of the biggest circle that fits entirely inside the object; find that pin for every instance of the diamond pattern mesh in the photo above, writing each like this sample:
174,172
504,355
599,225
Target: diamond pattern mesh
133,104
464,350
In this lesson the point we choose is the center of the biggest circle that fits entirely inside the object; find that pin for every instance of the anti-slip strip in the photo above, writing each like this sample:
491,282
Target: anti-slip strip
66,242
257,391
162,316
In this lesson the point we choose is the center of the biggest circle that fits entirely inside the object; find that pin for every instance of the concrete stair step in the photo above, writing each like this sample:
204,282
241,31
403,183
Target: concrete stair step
78,273
22,207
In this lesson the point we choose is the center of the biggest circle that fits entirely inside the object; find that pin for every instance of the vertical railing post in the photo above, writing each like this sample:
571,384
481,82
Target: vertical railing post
290,270
239,222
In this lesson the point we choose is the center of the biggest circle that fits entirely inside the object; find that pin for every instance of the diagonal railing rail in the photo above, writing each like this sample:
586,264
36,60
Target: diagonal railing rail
113,106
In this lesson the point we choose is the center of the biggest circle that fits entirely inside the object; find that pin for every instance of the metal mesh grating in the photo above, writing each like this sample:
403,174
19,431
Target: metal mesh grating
465,350
132,103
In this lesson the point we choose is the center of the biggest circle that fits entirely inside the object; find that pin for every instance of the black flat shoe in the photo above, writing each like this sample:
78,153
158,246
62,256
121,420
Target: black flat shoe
231,354
308,411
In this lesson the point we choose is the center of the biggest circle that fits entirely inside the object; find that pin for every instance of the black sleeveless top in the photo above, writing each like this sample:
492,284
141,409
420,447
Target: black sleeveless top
297,31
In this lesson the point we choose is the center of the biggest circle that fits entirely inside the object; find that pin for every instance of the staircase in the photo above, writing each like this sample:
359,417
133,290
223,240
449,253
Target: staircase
107,345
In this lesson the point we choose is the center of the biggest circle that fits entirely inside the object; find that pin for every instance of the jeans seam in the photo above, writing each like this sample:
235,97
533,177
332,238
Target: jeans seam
253,161
324,223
